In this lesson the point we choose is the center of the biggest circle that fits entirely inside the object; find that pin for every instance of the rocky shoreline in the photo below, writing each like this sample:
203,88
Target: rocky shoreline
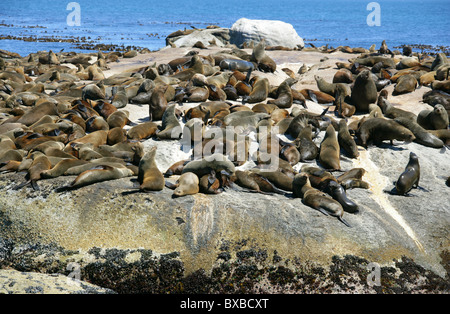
232,242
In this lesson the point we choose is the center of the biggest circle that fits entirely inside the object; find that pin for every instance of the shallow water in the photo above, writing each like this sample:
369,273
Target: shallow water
147,23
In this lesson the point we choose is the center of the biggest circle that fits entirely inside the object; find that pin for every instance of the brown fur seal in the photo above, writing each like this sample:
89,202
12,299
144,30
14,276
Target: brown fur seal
255,182
405,84
142,131
378,130
279,179
97,174
410,177
158,103
216,162
187,184
171,127
116,135
435,119
423,137
210,184
342,108
39,164
259,92
392,112
284,94
96,123
364,91
118,119
305,145
176,168
150,177
329,155
346,141
317,199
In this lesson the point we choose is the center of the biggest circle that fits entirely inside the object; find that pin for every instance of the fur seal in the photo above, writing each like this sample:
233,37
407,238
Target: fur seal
158,103
316,199
379,129
337,192
422,136
171,127
278,178
284,94
342,108
97,174
433,119
259,92
305,145
405,84
346,141
216,162
329,155
118,119
255,182
364,92
39,164
210,184
187,184
142,131
392,112
150,177
410,176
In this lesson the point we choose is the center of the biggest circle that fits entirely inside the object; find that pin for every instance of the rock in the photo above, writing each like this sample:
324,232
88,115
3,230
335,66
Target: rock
276,33
16,282
218,35
204,233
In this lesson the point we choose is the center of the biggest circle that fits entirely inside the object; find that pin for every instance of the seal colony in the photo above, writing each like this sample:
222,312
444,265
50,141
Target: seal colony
62,116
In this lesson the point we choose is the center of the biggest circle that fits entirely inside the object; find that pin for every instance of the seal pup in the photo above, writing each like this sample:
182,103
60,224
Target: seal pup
410,176
329,155
210,184
150,177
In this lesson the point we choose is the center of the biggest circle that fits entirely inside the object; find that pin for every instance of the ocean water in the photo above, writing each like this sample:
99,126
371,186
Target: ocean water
146,23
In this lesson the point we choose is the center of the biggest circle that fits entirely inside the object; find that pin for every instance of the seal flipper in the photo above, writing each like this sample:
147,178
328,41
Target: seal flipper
344,222
170,185
18,187
312,96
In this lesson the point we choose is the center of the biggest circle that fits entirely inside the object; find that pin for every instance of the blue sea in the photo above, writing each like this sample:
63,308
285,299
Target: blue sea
146,23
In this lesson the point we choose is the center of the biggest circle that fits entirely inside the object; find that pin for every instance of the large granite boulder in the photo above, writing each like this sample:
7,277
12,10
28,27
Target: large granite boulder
235,241
276,33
